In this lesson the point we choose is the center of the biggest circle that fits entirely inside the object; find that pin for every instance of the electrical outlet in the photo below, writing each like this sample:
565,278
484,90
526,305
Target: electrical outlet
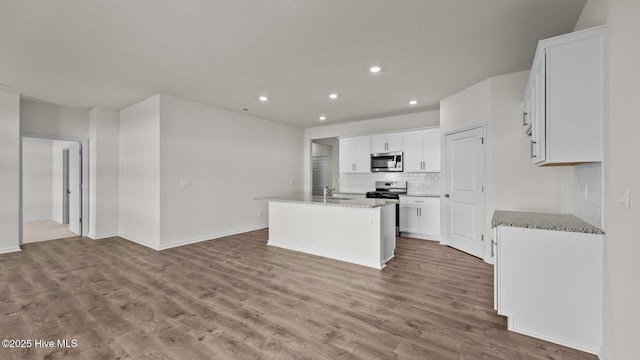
260,213
184,183
623,198
586,191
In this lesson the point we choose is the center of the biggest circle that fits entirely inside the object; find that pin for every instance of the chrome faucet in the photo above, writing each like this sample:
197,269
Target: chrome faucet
326,191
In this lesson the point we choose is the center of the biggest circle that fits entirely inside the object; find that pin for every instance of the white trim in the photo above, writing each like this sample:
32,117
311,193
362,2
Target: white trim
137,241
38,219
84,145
420,236
102,236
209,237
10,249
510,327
378,265
601,355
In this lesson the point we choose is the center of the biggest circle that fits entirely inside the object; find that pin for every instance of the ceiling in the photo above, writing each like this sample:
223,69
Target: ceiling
227,53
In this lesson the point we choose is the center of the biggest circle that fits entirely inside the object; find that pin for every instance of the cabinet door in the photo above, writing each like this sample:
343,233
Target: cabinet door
429,220
538,134
413,152
409,220
347,155
379,144
431,147
363,155
394,142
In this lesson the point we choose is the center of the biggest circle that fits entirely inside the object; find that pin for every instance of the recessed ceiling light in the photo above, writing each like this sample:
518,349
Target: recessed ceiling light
413,102
333,96
323,118
263,98
375,69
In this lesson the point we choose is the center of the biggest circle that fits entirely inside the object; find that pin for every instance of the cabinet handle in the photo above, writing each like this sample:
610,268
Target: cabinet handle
417,213
420,201
532,146
493,245
420,211
524,118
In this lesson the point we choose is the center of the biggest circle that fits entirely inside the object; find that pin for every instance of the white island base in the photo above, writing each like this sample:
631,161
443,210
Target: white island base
359,235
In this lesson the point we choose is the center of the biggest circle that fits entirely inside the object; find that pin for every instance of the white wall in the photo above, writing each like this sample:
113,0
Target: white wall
58,173
380,125
622,131
37,179
593,14
53,120
9,171
512,182
228,159
104,161
139,186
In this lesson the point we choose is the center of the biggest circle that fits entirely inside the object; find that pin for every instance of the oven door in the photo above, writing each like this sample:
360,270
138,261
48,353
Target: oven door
386,162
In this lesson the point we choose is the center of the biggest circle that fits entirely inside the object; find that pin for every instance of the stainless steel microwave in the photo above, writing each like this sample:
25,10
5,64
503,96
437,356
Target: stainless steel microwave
386,162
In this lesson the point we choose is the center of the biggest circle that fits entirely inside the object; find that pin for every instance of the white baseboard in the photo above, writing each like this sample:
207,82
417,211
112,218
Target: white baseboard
378,266
10,249
420,236
24,221
209,237
601,355
102,236
138,241
511,327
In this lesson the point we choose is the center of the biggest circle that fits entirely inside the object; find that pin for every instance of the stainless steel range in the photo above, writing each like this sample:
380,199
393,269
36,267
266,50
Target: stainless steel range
390,190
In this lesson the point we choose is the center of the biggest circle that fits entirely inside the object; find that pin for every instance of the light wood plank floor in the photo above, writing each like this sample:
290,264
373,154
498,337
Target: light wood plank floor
236,298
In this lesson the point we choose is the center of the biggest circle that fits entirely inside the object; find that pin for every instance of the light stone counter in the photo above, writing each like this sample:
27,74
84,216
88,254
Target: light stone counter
319,200
543,221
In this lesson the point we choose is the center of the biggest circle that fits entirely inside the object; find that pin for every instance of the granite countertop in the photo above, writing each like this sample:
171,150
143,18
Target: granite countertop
319,200
422,195
543,221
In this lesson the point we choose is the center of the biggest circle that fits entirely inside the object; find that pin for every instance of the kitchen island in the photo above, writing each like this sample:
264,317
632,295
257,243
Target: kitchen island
359,231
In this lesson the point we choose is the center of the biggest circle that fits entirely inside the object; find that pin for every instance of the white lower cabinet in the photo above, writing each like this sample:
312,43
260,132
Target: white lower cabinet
420,217
549,285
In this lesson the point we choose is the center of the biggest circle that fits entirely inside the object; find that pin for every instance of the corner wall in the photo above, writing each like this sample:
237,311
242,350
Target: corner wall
139,185
213,163
104,161
9,171
512,181
621,171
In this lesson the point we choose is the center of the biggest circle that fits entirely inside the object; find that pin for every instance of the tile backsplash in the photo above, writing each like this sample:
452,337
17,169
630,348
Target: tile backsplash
587,193
417,183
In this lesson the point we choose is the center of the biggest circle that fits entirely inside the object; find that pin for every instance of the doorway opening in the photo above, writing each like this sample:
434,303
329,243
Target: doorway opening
324,163
51,195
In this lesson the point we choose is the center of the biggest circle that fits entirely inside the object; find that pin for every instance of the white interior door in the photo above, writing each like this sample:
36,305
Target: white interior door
75,189
464,191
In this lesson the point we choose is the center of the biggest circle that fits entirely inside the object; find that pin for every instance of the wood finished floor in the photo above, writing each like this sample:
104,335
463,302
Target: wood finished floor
236,298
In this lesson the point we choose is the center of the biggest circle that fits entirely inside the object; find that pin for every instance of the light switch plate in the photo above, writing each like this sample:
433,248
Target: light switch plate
623,198
184,183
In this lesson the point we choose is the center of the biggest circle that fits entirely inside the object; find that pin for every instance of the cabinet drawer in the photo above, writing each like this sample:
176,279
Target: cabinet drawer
419,201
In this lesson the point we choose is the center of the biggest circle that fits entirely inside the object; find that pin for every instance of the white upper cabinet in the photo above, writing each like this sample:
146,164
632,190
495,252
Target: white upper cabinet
386,143
422,151
355,155
564,101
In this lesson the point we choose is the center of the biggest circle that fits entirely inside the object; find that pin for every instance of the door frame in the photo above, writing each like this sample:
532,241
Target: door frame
444,218
84,190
